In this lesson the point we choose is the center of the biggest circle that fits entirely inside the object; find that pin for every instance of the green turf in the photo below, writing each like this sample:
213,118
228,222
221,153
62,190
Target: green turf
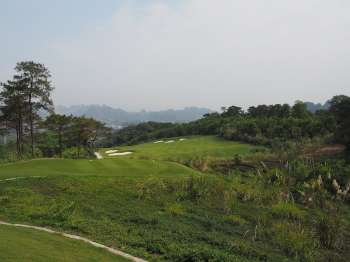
21,244
192,147
120,167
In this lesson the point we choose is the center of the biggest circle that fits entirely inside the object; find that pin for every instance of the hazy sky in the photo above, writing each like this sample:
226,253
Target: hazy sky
153,54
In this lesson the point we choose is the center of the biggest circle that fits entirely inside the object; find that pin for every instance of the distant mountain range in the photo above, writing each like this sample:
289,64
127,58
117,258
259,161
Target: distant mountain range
313,107
117,118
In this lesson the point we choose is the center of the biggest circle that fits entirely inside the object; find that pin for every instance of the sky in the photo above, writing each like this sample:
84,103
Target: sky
160,54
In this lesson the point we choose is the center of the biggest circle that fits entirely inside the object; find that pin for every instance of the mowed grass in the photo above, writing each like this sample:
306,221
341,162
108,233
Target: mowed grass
191,147
22,244
137,169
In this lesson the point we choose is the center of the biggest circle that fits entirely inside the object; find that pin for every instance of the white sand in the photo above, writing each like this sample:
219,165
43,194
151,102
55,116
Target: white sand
158,142
120,154
182,139
98,155
111,151
170,141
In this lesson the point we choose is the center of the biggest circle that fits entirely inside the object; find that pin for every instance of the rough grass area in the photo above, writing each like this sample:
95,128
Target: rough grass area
156,219
202,218
191,147
21,244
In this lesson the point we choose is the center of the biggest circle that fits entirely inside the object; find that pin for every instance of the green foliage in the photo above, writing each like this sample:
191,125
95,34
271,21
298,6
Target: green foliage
236,220
176,210
340,108
288,211
295,241
3,152
330,231
76,153
259,125
47,143
151,188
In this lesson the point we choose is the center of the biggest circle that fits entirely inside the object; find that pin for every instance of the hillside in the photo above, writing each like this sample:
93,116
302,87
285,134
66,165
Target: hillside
118,117
149,204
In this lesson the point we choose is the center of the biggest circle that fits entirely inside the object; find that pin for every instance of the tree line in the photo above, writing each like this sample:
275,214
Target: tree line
262,124
25,99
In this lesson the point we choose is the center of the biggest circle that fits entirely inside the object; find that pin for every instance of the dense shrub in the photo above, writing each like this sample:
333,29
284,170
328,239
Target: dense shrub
76,153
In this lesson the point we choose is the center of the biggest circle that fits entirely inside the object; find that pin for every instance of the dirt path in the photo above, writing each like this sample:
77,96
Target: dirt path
325,150
19,178
109,249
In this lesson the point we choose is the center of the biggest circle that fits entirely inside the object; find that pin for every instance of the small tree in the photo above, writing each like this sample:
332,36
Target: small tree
85,132
299,110
60,125
37,90
233,111
340,108
13,110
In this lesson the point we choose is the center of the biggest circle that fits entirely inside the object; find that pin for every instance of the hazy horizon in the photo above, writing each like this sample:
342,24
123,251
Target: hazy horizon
157,55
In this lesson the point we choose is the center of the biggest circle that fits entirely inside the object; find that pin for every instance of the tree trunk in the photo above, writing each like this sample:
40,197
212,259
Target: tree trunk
21,132
79,151
31,124
18,140
60,142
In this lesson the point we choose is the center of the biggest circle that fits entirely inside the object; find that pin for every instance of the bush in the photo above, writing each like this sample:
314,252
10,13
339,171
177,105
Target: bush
199,253
236,220
288,210
75,153
151,188
330,232
175,210
295,240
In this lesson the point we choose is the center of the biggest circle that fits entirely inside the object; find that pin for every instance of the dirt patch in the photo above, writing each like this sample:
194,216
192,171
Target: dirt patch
328,150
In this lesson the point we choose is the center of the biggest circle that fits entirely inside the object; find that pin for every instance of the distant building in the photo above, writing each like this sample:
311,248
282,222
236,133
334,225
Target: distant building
3,135
3,139
7,137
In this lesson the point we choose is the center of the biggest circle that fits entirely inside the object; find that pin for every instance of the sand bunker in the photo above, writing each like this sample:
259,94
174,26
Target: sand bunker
98,155
182,139
120,154
158,142
170,141
111,151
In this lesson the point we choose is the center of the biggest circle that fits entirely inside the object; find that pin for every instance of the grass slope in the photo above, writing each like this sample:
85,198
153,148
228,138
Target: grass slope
21,244
121,167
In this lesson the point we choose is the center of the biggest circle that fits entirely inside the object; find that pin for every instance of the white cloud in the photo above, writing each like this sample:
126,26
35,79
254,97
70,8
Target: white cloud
208,53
